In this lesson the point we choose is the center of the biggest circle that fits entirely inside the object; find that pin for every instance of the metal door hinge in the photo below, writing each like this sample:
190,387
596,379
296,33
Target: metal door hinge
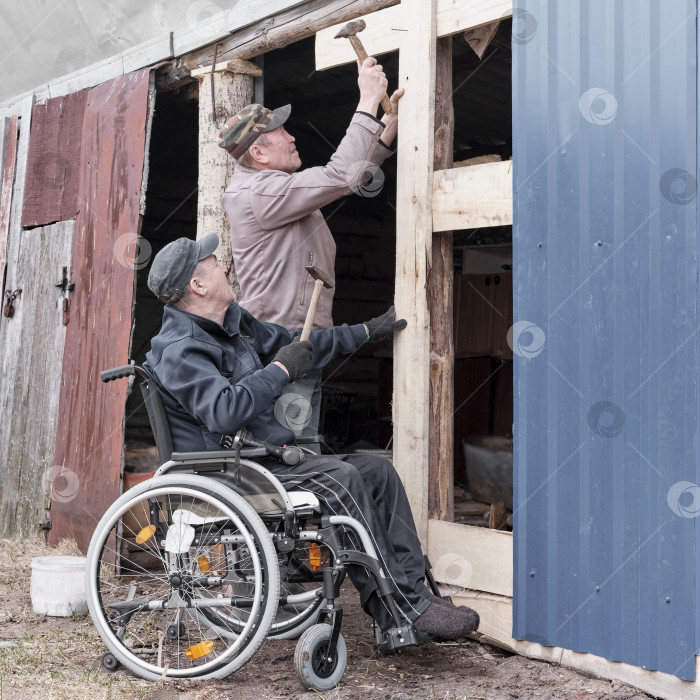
9,308
65,285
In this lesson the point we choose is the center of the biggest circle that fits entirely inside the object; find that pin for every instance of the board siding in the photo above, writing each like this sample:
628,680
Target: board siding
33,340
90,436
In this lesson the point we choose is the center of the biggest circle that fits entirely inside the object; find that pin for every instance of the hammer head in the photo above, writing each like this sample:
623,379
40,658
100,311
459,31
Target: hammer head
319,274
350,29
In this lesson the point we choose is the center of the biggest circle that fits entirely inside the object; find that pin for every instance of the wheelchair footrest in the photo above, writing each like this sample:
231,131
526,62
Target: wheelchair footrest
396,638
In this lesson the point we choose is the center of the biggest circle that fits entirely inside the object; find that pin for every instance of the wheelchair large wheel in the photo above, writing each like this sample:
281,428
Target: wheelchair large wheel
159,559
318,669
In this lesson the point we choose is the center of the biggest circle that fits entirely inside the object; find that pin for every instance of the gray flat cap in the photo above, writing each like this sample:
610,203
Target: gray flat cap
173,267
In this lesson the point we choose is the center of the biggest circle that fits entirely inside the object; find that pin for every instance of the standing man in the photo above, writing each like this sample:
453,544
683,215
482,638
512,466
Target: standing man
276,226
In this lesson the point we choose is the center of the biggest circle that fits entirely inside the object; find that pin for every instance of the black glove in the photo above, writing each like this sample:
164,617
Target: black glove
383,327
296,357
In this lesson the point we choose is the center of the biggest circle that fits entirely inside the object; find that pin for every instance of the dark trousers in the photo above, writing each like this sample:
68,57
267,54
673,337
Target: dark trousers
366,487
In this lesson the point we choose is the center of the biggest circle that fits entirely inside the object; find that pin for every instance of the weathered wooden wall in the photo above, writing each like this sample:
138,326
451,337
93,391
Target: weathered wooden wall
90,434
32,340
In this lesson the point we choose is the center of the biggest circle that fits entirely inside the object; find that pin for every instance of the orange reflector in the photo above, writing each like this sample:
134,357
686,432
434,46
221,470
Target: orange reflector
314,557
204,564
145,534
200,650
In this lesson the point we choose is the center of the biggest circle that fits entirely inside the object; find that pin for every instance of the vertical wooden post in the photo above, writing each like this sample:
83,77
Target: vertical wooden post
440,294
414,227
232,92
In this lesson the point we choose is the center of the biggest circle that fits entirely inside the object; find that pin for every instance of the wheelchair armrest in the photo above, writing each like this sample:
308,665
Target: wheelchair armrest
217,454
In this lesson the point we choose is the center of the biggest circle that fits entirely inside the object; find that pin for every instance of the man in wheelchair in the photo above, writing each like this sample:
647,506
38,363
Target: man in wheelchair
218,369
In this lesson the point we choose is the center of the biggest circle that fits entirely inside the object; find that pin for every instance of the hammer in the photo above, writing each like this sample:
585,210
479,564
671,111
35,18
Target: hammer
350,31
321,282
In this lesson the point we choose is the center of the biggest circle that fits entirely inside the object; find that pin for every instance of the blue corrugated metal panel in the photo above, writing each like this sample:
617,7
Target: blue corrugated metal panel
605,246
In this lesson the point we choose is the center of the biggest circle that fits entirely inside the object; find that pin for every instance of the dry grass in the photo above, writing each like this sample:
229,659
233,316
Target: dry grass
55,658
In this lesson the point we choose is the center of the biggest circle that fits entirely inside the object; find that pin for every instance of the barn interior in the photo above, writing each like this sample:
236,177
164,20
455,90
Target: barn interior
357,391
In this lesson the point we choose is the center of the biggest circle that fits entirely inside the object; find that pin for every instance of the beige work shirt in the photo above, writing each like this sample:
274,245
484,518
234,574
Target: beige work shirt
277,228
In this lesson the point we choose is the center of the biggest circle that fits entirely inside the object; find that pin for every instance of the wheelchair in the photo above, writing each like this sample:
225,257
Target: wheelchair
189,572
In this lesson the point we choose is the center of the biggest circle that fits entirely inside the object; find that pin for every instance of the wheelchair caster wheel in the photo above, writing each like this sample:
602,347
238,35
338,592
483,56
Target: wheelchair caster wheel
175,631
110,662
315,667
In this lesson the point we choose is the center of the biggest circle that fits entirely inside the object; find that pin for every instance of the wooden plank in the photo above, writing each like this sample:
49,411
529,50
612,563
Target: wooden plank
496,614
9,157
13,106
32,343
440,305
160,48
4,134
473,197
150,110
471,557
414,254
15,226
384,28
87,77
51,190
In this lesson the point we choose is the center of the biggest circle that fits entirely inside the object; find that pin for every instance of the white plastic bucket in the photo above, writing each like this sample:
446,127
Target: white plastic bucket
58,586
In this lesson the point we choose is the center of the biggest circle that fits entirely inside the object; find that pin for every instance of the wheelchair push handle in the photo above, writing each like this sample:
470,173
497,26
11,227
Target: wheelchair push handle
110,375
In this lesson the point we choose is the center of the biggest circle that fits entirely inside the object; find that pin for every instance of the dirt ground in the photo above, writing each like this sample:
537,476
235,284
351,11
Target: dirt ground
59,658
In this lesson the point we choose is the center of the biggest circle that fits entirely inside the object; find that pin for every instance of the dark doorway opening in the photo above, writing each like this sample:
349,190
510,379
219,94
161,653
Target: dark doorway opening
170,213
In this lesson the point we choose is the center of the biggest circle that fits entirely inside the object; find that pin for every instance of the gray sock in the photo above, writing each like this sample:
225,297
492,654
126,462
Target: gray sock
439,621
471,616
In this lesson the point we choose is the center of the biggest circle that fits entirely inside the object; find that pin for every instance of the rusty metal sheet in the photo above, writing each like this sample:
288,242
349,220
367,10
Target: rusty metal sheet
90,433
51,189
9,157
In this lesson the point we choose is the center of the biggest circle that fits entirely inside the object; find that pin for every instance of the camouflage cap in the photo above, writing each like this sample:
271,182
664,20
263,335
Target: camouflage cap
242,129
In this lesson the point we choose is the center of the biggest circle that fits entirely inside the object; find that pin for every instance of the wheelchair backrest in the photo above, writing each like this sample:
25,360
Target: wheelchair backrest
157,417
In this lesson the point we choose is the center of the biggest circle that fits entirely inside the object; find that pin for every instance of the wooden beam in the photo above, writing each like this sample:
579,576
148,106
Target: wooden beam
414,225
473,197
235,65
496,627
232,92
440,302
219,26
385,27
471,557
283,29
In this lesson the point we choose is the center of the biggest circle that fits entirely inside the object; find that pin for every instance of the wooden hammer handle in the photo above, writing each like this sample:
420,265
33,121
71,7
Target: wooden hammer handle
311,313
362,55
